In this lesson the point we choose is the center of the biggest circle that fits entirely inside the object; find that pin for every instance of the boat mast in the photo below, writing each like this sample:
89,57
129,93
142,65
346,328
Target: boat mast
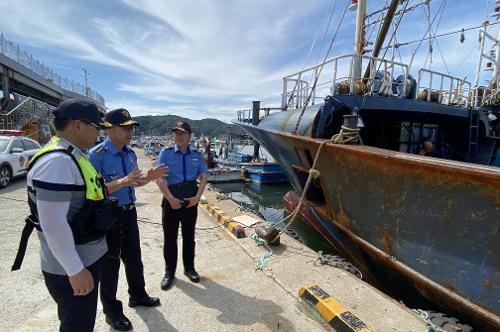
482,35
496,71
358,42
383,33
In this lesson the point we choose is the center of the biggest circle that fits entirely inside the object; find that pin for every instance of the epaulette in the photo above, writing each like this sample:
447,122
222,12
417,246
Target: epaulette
100,150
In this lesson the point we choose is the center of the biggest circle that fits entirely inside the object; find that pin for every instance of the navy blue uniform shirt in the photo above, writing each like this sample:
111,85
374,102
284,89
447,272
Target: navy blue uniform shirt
182,167
114,165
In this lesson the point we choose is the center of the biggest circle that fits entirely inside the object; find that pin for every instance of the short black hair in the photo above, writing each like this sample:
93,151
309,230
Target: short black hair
61,124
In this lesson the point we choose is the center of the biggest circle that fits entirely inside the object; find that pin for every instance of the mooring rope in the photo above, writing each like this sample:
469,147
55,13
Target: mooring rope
346,135
264,260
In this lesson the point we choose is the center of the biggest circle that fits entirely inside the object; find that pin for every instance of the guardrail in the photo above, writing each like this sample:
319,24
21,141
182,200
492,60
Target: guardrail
451,91
385,77
247,114
25,59
335,76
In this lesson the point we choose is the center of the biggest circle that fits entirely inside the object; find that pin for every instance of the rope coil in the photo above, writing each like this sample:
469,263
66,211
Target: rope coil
347,136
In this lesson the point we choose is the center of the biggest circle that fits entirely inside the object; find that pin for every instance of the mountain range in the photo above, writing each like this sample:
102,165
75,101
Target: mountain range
163,124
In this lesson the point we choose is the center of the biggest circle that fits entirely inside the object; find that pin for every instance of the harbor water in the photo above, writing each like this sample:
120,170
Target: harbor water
267,202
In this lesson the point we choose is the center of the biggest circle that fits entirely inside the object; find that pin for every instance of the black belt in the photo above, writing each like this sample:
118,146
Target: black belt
127,207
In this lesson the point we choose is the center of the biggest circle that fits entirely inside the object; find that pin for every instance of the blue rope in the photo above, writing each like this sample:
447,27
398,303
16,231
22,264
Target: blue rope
264,260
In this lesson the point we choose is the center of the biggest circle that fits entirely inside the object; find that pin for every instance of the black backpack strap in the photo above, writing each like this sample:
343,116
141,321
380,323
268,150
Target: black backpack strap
31,223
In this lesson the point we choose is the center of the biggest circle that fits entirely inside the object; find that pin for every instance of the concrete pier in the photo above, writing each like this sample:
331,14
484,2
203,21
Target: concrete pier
232,295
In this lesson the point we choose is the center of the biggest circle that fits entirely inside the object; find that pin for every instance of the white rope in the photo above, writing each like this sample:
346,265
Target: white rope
345,136
425,34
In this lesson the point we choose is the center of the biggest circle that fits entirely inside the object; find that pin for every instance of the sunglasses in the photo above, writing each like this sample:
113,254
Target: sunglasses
95,125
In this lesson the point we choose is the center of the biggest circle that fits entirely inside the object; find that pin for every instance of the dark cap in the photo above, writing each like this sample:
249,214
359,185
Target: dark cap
78,109
182,126
119,117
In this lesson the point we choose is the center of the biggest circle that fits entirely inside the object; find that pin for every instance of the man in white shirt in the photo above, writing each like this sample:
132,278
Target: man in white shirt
61,182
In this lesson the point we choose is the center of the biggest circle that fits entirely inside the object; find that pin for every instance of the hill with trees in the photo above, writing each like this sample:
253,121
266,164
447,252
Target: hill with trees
163,124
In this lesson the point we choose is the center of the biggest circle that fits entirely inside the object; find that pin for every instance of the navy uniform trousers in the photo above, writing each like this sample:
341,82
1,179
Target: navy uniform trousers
124,243
76,313
171,219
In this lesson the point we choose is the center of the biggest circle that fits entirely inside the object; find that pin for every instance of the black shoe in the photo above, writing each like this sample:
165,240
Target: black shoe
166,282
192,275
147,301
119,322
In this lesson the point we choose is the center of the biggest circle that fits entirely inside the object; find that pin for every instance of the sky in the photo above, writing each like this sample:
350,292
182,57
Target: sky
210,58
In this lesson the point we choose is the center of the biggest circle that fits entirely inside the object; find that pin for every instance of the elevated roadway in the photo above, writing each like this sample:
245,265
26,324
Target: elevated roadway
19,79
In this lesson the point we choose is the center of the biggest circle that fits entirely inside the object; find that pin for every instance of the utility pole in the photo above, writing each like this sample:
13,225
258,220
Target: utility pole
86,73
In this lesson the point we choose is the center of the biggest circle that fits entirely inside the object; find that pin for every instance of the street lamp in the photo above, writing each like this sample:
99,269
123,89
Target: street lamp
86,81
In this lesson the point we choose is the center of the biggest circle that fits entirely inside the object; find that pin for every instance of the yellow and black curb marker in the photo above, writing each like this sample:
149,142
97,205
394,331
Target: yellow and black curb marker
338,317
235,228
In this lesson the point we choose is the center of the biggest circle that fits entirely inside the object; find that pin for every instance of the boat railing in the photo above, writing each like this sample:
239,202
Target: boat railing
247,114
337,76
481,95
443,88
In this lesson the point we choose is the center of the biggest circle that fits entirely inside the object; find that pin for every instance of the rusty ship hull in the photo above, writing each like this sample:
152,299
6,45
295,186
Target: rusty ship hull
429,222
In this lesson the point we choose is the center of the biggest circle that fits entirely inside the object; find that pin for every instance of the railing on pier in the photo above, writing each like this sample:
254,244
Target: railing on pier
14,52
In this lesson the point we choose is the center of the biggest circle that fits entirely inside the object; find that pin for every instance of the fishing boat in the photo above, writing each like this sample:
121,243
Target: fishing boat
222,174
264,172
254,167
398,168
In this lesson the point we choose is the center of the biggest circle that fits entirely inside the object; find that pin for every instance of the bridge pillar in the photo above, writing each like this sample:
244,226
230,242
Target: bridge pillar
5,100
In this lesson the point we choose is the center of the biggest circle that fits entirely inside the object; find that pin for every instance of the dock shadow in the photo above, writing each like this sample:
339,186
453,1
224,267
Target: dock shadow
234,307
154,320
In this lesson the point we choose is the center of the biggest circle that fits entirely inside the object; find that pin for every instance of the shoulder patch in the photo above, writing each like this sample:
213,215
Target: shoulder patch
100,150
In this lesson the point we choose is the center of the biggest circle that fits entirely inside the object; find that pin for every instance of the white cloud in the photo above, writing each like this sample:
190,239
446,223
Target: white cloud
203,58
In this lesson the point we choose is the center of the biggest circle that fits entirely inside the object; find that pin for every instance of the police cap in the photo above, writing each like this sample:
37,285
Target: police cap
78,109
119,117
182,126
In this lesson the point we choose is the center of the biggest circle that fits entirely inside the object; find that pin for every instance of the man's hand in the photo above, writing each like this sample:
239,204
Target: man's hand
132,179
192,201
174,202
82,283
157,172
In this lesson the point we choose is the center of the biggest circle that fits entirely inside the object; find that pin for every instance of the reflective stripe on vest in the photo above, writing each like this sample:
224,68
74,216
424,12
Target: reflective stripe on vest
94,190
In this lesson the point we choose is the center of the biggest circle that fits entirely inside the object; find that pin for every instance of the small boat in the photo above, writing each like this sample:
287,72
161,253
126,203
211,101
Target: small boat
264,172
223,174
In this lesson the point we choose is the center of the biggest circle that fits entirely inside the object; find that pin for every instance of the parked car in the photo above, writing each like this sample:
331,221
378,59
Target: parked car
153,148
15,153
